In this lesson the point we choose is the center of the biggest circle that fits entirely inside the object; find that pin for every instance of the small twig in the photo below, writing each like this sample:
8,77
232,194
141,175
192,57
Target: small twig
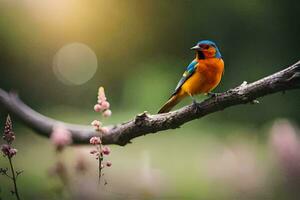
19,173
4,172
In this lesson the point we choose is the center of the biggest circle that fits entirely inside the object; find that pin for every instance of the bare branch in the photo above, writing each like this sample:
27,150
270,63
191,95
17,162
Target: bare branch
145,123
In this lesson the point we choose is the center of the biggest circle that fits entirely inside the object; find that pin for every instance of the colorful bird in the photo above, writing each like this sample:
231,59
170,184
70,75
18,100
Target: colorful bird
202,75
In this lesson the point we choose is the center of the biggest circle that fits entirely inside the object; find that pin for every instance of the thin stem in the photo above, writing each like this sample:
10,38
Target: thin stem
99,166
100,158
14,178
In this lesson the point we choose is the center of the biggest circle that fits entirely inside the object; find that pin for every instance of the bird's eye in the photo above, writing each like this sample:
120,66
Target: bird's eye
204,46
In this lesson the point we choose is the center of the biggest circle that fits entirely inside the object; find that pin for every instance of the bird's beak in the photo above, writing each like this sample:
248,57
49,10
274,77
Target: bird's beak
196,48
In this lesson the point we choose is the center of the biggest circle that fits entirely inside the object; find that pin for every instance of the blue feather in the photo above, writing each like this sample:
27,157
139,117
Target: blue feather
187,74
211,43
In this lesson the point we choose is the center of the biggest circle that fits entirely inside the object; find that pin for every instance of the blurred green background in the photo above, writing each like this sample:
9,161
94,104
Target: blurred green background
56,53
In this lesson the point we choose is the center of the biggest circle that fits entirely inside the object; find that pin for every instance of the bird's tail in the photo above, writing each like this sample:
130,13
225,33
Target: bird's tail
173,101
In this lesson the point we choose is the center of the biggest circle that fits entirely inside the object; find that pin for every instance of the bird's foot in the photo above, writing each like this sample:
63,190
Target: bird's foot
194,100
195,105
212,94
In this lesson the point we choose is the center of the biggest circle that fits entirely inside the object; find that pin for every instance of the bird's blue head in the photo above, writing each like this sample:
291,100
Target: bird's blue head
207,49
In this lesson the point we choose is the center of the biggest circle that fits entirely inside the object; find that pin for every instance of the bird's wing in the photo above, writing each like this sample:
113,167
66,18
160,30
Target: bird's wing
187,74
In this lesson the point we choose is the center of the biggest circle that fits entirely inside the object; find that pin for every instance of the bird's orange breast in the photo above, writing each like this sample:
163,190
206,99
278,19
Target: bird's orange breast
206,77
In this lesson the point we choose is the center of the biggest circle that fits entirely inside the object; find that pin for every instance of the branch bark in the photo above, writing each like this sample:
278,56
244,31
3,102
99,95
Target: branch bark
145,123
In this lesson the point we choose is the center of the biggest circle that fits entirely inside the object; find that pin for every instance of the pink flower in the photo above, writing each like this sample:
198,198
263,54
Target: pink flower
108,164
106,150
105,105
96,123
97,108
107,113
101,94
9,135
7,150
95,140
13,152
60,137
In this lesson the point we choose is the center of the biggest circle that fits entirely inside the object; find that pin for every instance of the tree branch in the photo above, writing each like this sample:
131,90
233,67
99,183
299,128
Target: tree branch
145,123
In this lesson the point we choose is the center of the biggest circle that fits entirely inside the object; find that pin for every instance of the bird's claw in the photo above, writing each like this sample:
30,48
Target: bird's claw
195,105
212,94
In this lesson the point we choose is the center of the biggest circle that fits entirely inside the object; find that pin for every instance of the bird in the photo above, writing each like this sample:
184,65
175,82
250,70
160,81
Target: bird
201,76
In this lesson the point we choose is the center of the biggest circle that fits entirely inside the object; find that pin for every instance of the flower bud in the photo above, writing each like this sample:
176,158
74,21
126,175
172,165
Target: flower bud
96,123
12,152
108,164
9,135
8,151
97,108
5,149
106,150
101,94
95,140
105,105
107,113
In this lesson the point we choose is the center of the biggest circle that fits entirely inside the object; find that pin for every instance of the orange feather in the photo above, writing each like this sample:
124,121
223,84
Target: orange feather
207,76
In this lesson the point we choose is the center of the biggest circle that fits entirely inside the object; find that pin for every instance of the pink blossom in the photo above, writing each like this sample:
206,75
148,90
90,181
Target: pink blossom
106,150
60,137
101,94
9,135
96,123
7,150
107,113
13,152
95,140
108,164
97,108
105,105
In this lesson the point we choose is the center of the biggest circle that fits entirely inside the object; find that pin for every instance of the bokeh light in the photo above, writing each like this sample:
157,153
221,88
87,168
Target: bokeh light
75,64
